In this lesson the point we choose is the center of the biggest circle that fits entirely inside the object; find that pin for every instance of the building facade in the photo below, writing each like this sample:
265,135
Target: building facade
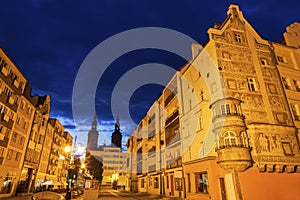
31,145
17,114
225,127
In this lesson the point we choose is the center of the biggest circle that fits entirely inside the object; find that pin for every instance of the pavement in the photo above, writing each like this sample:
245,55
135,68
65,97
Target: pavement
55,196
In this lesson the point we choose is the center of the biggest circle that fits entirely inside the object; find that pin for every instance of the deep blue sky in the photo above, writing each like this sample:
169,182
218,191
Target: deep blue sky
48,40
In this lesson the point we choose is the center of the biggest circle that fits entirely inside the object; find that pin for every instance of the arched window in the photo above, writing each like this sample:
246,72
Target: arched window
244,139
230,138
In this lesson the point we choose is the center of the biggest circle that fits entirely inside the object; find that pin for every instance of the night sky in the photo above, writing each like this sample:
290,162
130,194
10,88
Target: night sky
48,40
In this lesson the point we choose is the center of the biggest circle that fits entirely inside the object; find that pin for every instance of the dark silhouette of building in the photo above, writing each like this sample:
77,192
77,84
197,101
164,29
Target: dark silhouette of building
116,138
93,135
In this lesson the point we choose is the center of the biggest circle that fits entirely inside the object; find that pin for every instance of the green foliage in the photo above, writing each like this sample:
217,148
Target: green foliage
94,166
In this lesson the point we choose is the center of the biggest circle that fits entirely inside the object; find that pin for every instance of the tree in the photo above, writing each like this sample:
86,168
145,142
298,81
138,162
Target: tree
94,166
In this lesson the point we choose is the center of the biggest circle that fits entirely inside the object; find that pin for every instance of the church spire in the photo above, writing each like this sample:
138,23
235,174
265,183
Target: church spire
94,124
117,124
93,135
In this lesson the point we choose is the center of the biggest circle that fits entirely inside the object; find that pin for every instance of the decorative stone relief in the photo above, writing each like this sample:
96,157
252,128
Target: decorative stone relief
277,103
262,47
252,101
257,116
269,74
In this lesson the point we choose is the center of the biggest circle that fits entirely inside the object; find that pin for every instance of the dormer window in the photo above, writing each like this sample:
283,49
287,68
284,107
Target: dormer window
238,37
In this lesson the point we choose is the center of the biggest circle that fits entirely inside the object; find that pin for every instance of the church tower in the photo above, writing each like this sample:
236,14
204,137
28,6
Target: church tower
93,135
116,138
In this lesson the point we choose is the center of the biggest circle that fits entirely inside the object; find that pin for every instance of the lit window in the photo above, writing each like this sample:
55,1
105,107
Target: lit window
251,82
287,83
297,85
230,138
201,182
296,111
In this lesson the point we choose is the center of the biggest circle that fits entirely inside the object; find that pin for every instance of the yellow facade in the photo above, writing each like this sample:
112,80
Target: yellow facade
28,139
16,118
227,122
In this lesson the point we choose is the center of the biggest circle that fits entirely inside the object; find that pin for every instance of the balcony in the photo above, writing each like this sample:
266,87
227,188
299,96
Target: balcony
12,82
172,117
235,157
174,138
5,121
4,142
152,151
169,98
8,101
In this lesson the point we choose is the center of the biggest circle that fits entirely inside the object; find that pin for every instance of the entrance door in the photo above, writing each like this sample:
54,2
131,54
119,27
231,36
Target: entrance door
172,184
222,187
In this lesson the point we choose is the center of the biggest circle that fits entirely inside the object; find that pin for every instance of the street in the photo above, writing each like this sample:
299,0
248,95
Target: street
109,194
106,193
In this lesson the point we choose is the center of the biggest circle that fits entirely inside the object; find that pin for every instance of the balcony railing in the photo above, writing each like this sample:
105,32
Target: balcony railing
227,114
152,168
169,98
175,137
172,117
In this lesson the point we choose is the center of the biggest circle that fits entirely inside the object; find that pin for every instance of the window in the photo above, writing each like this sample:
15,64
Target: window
18,120
7,91
201,182
264,62
287,83
17,157
22,105
225,109
14,137
168,184
189,183
238,109
28,111
296,111
142,183
251,82
201,125
9,154
25,125
238,37
297,85
230,138
20,141
1,151
7,133
155,183
281,59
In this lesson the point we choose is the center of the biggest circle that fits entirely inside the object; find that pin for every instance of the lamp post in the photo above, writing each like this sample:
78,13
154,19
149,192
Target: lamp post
68,149
73,167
